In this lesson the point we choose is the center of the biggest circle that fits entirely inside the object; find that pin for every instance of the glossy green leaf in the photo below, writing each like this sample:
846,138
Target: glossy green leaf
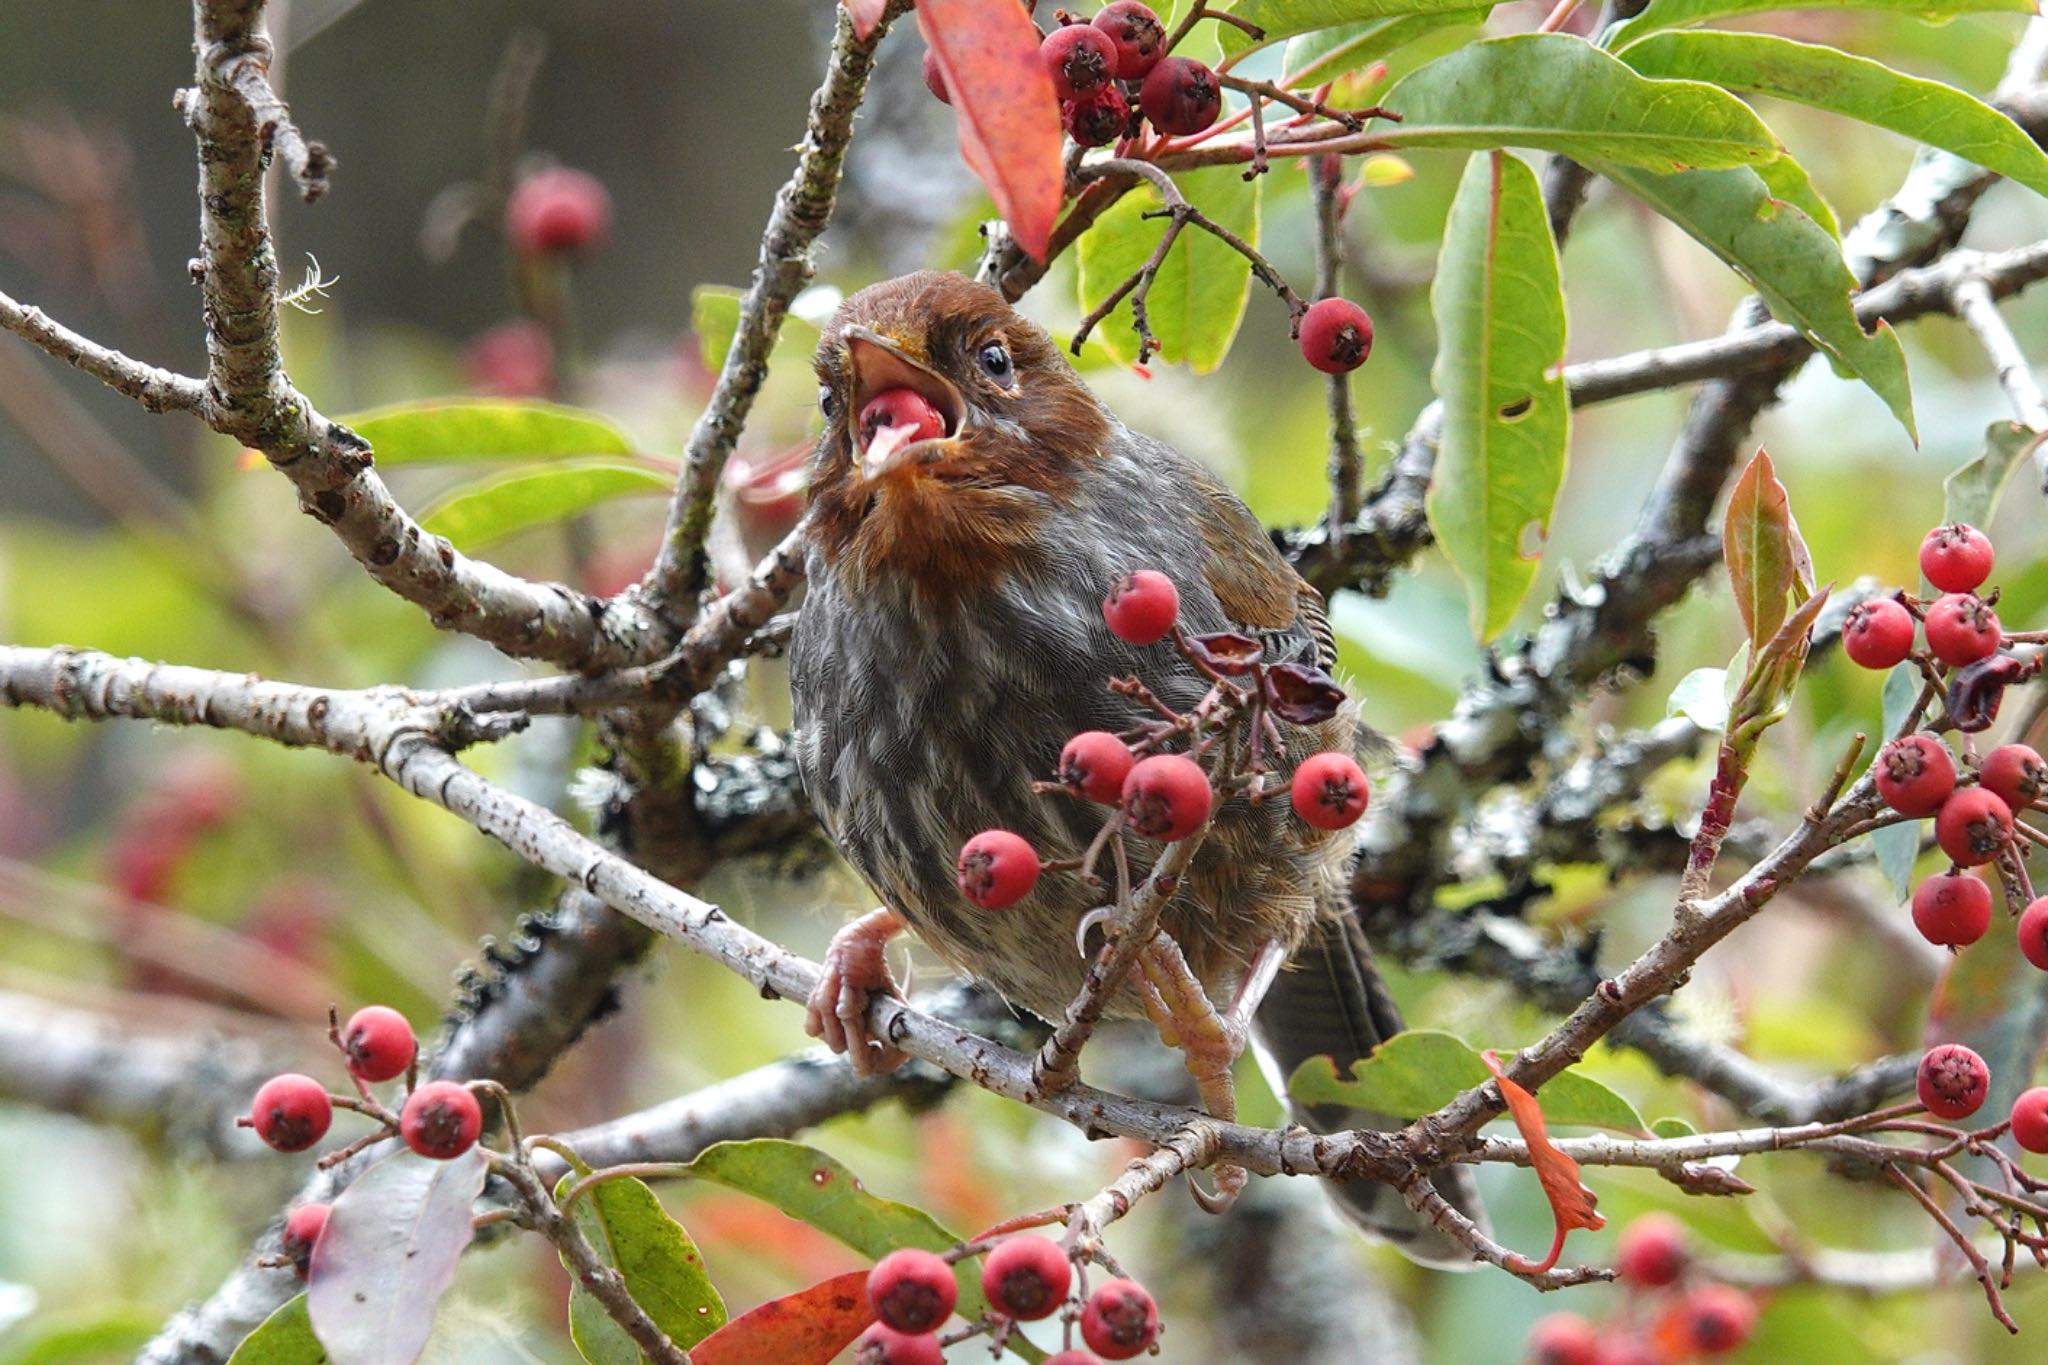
1765,555
715,319
444,430
1972,491
1561,94
1325,54
1677,13
1702,698
1286,18
631,1232
1787,180
1898,846
477,513
1927,111
1419,1071
284,1338
1500,325
1794,262
1199,297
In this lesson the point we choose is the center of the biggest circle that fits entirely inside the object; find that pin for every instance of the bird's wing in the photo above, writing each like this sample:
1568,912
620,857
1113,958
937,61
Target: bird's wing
1256,587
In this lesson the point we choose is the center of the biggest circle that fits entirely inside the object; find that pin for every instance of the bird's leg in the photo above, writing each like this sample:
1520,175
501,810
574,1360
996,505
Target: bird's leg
856,970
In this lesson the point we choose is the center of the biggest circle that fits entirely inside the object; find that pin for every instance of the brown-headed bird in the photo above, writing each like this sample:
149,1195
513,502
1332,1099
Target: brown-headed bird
971,504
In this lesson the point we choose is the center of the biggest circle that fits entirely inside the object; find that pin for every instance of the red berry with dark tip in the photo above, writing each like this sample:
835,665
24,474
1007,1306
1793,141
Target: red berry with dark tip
1652,1252
2030,1119
1718,1318
1953,1081
291,1112
1142,607
1952,910
912,1291
302,1228
1097,118
997,869
1081,59
1961,629
1336,335
1915,774
1026,1277
558,210
1956,558
882,1344
1095,764
1166,797
441,1119
2033,932
1562,1339
2016,773
1120,1320
1878,633
1330,790
1972,826
1139,37
1181,97
935,79
379,1043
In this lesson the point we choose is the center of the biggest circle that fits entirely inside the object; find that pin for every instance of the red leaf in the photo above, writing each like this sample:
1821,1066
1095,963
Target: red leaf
1571,1203
808,1327
1009,117
866,14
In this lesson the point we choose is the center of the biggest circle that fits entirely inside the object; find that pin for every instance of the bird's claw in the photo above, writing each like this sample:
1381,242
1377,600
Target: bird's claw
856,970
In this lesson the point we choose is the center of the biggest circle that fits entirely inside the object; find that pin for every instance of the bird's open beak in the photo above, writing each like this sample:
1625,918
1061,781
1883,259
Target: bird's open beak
878,364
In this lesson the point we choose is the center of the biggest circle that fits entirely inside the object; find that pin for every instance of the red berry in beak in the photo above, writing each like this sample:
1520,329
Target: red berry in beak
895,418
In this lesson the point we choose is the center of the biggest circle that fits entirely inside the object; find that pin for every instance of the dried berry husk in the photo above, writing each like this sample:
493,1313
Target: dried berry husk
1300,694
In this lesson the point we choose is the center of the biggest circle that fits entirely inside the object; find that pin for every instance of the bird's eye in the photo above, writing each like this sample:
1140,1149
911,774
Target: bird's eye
828,401
994,360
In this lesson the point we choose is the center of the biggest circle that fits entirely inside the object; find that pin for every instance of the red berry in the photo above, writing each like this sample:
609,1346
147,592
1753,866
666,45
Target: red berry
1330,790
1972,826
1139,37
2030,1119
1915,774
1120,1320
1953,1081
1097,118
1142,607
1878,633
302,1228
1952,910
1956,558
1718,1318
1073,1357
997,869
1336,335
441,1119
558,210
1166,797
905,415
912,1291
2017,774
1628,1350
1095,764
291,1112
1653,1251
935,79
379,1043
882,1344
1562,1339
1180,96
2034,933
1081,58
1026,1277
1961,629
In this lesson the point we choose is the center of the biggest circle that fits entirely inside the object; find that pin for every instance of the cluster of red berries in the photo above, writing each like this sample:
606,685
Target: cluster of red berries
1685,1322
1953,1082
1168,797
1025,1278
1962,629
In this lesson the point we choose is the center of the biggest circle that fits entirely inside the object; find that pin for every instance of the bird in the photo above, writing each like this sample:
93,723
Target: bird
971,502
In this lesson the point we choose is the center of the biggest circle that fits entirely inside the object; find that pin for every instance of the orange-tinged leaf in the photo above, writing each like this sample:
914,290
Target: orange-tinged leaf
1767,558
866,14
808,1327
1571,1203
1003,98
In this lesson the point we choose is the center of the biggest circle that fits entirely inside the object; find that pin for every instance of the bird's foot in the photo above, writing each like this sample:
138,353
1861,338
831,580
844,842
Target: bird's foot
857,970
1209,1041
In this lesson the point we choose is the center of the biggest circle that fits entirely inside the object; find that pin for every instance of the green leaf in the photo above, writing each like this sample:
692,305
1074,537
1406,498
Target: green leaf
1971,491
1198,299
1500,325
441,430
715,318
1702,698
1561,94
1677,13
1787,180
1794,262
477,513
1761,545
1285,18
662,1269
1419,1070
1670,1127
1898,846
284,1338
1927,111
1325,54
